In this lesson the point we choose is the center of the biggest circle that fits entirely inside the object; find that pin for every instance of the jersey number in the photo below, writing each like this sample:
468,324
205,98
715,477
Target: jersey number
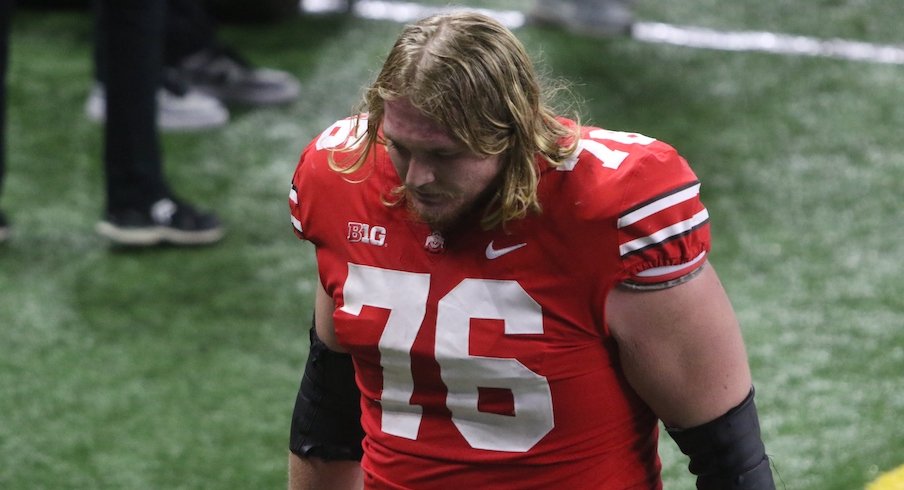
404,294
608,157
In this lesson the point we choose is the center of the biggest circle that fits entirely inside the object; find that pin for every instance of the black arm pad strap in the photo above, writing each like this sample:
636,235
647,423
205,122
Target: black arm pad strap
326,422
728,452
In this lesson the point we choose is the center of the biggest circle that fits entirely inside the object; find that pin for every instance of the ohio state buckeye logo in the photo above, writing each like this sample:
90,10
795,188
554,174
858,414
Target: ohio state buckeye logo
435,243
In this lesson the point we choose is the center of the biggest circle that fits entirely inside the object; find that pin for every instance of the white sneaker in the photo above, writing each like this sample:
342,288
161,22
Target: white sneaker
189,111
601,18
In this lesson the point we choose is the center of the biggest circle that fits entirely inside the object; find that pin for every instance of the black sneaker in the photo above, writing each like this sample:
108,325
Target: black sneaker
166,221
4,228
223,74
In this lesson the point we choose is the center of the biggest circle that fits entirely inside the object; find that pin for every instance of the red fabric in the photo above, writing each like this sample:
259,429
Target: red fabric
482,370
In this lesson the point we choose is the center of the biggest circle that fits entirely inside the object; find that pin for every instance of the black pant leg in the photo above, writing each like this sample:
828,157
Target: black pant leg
189,29
6,13
130,37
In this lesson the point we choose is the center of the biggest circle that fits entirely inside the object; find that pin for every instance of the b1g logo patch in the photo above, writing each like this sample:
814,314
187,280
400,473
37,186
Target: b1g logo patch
365,233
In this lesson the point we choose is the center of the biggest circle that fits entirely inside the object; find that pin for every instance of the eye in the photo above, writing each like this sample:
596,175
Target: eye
443,154
395,147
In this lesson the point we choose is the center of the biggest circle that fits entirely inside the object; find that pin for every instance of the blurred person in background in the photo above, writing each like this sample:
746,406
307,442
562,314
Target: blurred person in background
141,208
202,77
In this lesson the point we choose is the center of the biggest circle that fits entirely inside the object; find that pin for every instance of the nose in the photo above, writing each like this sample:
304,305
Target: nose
419,173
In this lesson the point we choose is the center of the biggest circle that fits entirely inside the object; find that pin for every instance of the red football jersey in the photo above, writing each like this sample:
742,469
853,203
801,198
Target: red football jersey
483,358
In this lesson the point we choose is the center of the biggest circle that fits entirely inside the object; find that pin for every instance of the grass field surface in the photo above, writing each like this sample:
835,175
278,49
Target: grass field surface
170,368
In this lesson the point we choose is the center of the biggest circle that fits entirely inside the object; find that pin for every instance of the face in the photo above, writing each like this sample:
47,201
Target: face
443,179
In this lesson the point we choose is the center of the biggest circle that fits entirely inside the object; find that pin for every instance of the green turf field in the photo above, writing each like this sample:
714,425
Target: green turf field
173,368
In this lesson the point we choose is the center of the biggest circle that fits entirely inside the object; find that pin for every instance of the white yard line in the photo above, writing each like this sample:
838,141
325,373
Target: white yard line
651,32
767,42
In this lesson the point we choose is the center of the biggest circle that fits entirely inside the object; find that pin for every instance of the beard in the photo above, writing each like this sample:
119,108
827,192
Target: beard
438,218
449,217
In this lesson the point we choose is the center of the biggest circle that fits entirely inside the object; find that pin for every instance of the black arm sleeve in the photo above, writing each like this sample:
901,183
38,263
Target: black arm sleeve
728,452
326,422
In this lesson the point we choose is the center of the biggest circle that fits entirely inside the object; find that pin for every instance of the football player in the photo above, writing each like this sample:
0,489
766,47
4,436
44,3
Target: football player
508,298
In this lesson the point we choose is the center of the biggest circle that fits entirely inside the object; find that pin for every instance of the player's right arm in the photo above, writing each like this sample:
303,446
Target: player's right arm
326,431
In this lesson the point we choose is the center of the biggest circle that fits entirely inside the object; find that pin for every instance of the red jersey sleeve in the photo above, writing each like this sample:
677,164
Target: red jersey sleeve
296,213
313,170
663,227
643,200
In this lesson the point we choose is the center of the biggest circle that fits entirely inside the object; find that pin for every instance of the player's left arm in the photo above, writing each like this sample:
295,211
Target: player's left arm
682,351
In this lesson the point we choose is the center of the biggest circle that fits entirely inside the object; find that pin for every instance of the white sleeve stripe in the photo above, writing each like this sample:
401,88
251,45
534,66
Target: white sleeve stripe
297,224
658,205
664,234
293,195
669,269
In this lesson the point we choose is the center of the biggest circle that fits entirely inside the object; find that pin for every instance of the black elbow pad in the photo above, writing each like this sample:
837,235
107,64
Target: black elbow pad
326,422
728,452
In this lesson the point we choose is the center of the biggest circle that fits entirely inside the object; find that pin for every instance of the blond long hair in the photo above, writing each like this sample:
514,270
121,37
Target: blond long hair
471,75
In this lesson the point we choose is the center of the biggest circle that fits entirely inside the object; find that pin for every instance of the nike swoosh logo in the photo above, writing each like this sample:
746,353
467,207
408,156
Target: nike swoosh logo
493,253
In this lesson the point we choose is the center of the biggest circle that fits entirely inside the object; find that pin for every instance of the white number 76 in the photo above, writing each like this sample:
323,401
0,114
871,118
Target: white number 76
404,294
